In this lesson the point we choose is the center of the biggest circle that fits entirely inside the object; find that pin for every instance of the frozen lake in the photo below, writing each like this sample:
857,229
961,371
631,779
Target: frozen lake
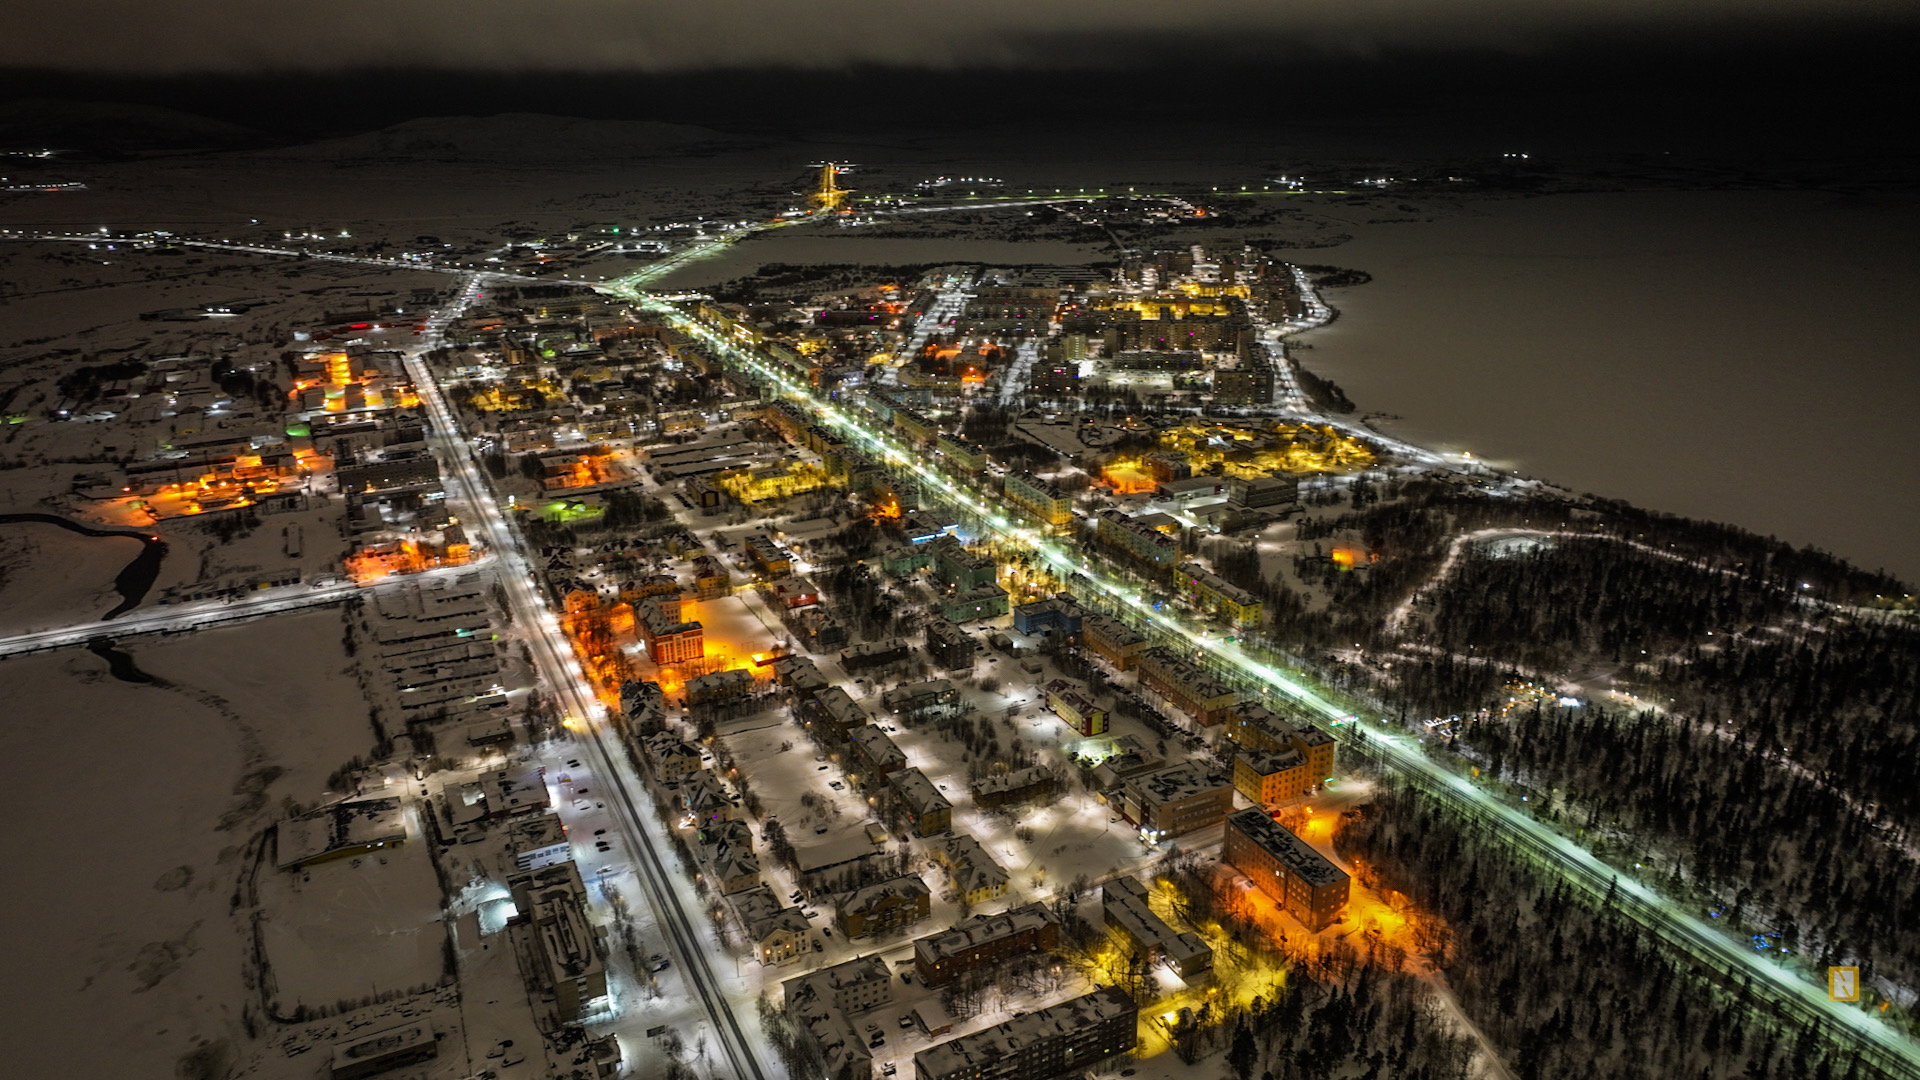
1748,357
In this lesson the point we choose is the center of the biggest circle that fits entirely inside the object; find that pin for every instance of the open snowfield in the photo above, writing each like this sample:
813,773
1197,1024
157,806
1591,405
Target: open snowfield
157,791
50,577
352,928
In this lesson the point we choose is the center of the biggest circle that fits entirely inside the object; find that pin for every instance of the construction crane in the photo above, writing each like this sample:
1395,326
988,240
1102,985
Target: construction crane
829,195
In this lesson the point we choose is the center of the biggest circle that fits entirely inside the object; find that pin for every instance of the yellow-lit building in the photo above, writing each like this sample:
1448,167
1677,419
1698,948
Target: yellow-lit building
1267,777
1220,596
1040,498
1255,727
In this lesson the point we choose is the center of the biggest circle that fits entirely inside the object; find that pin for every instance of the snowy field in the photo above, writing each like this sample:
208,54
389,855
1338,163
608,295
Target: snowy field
50,577
353,928
159,790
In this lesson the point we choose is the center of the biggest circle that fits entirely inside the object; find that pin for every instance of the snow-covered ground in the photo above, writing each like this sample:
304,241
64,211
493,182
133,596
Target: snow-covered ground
153,796
353,928
51,577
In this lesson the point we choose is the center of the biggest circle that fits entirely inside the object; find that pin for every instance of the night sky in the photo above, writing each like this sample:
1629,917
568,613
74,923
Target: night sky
128,36
1750,70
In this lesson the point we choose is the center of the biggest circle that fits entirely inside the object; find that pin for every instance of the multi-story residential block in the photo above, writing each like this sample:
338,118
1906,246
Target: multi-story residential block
767,556
874,756
930,810
1108,637
959,569
726,848
701,798
710,579
820,1005
1124,904
1069,701
901,561
1060,613
872,654
1020,785
836,709
719,686
1040,498
963,452
914,700
1261,491
949,647
852,987
566,958
779,933
973,873
1076,1034
885,905
985,602
799,673
1174,801
1301,880
914,427
1186,686
1218,595
673,758
984,941
1255,727
1266,777
1137,537
1248,382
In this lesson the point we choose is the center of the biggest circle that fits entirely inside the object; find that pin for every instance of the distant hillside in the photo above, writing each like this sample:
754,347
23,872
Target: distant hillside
517,138
112,127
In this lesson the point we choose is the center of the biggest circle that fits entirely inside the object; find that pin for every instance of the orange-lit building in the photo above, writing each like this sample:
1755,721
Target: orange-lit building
670,638
1301,880
1112,639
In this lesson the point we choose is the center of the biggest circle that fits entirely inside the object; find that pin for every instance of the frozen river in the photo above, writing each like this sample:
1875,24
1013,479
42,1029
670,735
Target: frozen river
1749,357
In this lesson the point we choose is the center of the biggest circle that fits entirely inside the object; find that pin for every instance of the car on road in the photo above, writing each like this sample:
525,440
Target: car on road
660,967
602,845
906,1021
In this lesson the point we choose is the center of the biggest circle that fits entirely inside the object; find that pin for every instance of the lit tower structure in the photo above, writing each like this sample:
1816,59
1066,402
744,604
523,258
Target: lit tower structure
829,195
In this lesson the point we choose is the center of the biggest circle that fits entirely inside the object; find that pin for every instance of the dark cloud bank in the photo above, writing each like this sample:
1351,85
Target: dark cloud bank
1633,73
